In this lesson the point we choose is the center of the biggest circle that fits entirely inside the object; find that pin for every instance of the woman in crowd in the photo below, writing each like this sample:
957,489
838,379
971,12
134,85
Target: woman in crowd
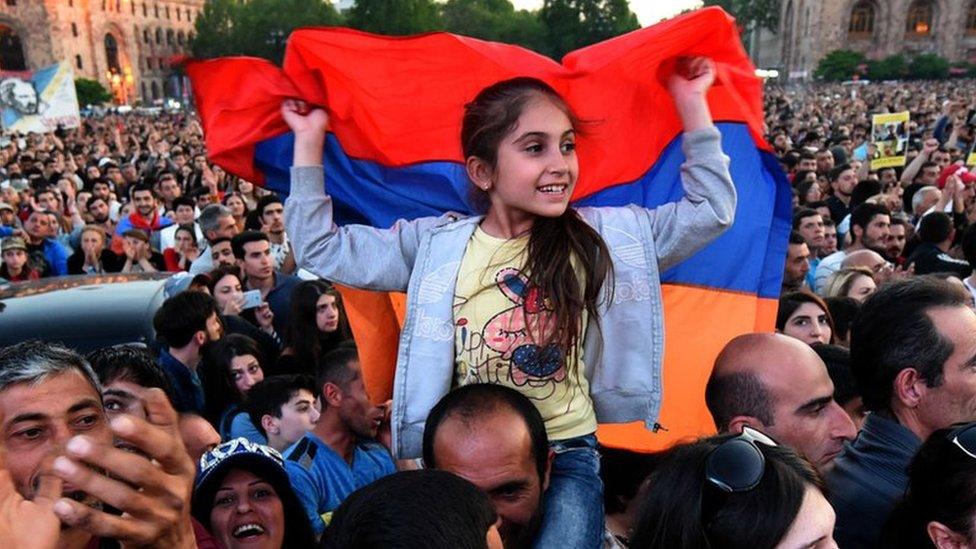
93,257
257,323
734,492
247,191
805,316
238,208
185,252
854,282
808,190
243,496
939,509
317,324
231,367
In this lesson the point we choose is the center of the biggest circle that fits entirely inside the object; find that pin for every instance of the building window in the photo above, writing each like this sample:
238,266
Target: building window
118,6
11,2
78,62
145,10
159,36
179,14
919,22
167,12
155,90
112,53
181,38
104,6
862,20
145,35
11,50
971,18
156,10
133,6
74,30
169,37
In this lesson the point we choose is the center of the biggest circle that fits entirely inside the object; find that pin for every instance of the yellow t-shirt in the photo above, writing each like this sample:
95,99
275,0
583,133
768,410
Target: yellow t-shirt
495,337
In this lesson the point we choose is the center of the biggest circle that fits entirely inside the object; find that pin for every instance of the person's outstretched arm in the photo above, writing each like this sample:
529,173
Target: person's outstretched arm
708,207
354,255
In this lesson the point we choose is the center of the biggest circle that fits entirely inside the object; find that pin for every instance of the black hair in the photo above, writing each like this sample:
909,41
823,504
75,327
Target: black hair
796,239
894,331
190,229
93,199
942,488
303,338
864,190
623,472
265,201
862,215
801,214
142,187
969,245
838,362
835,173
671,513
333,368
128,363
843,310
218,383
183,200
237,243
385,514
182,316
935,228
478,401
790,302
268,396
737,394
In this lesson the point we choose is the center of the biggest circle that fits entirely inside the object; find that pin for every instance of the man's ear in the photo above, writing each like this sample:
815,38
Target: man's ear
331,394
545,478
738,422
944,537
909,387
269,423
200,338
479,172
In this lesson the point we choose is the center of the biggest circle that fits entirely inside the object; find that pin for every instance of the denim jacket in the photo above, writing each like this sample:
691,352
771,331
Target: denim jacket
623,355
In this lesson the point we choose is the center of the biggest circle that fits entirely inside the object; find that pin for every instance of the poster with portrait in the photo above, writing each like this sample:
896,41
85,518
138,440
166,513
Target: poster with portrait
39,101
889,135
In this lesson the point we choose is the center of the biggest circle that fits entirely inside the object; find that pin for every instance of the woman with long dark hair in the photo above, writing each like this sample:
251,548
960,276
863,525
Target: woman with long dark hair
317,324
230,368
734,492
805,316
521,295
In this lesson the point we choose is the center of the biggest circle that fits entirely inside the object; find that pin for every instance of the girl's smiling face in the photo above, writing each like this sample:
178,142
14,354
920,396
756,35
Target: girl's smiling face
536,168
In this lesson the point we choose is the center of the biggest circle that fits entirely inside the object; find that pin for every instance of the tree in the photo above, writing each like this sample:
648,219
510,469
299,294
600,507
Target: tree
928,66
572,24
751,14
258,27
892,67
91,92
395,17
839,65
495,20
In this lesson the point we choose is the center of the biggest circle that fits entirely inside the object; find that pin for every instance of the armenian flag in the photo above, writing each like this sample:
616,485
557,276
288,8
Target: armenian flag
393,151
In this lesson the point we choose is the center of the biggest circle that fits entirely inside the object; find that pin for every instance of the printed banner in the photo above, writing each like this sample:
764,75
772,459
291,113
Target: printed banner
39,101
889,135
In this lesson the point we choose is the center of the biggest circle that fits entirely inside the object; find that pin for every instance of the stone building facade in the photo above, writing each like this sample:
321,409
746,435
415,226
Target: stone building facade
127,45
809,29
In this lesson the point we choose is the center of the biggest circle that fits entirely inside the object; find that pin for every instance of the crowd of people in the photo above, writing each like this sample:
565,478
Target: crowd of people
248,422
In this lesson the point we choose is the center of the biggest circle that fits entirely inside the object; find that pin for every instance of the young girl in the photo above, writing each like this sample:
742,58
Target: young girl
563,305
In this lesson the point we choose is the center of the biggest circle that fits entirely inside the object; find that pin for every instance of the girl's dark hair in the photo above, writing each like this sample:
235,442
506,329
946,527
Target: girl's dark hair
554,242
302,336
790,302
455,514
671,513
220,391
219,273
188,229
941,487
803,188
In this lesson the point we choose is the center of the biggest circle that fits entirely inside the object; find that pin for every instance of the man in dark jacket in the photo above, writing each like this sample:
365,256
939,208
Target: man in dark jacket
913,356
932,254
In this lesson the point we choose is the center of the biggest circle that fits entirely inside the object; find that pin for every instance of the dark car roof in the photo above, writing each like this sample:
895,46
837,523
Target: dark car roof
82,312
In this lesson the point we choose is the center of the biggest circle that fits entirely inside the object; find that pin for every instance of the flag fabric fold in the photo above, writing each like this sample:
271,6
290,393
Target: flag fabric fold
395,108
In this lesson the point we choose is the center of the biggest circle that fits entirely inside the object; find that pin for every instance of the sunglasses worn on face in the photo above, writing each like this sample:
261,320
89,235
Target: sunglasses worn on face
737,465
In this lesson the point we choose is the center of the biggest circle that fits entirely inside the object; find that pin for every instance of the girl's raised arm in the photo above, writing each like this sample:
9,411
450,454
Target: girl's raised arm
708,207
354,255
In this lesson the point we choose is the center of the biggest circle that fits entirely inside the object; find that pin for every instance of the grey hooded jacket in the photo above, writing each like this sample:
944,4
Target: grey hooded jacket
623,356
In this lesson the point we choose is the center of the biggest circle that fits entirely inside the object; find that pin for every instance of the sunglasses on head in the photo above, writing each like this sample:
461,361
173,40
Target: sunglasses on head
964,437
734,466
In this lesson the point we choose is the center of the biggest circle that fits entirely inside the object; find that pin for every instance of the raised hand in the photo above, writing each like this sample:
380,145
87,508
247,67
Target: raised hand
30,524
152,488
302,118
691,76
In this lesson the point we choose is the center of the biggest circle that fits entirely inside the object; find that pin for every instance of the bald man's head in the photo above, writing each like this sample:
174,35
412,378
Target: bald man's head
779,385
864,258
